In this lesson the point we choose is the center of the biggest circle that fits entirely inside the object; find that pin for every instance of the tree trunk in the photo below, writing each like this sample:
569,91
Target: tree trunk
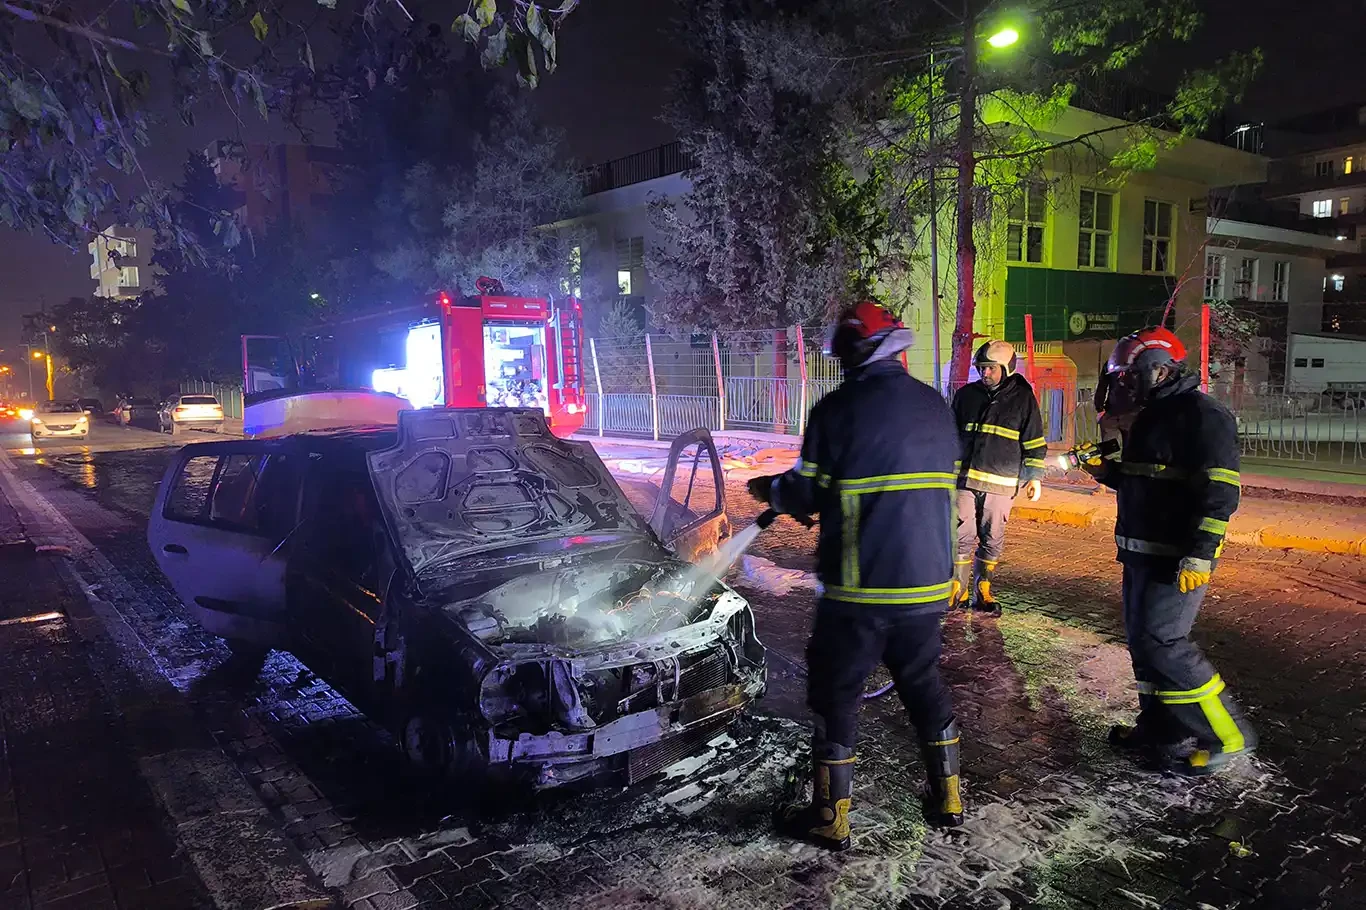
967,251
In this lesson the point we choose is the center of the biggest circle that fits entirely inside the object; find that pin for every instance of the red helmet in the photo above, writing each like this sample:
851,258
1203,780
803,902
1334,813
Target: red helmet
859,331
1146,348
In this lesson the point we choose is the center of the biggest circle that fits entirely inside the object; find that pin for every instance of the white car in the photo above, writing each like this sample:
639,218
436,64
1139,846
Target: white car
190,412
59,418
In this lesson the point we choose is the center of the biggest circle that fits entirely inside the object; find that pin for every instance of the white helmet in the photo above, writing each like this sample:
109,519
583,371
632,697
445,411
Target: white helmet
1001,353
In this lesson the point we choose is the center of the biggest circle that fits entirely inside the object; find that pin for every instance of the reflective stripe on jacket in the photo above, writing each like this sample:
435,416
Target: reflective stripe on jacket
1177,478
877,465
1001,434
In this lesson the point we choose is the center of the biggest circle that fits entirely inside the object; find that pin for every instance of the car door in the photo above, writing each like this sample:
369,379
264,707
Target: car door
690,513
218,525
338,569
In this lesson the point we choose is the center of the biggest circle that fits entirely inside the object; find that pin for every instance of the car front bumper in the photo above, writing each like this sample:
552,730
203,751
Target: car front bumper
46,431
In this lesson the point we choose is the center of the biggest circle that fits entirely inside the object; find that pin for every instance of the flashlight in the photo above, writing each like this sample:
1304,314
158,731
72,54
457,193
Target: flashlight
1087,453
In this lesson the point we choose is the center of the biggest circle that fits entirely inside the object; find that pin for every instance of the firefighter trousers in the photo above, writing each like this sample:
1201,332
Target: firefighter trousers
1179,693
848,641
982,525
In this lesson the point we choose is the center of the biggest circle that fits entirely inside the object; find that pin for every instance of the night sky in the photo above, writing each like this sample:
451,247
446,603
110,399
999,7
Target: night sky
614,67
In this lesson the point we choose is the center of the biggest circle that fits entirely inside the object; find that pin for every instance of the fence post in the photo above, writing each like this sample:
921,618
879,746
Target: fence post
801,373
720,382
654,389
597,379
1204,347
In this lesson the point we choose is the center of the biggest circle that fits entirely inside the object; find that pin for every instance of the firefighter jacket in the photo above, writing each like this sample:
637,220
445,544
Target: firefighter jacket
1177,478
877,465
1002,438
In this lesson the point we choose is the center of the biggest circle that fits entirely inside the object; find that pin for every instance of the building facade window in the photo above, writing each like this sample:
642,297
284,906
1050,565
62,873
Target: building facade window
1245,285
1344,205
1348,165
1280,282
1323,208
1214,276
1301,361
128,276
630,260
1094,239
1025,224
1158,220
1316,363
1323,168
1333,282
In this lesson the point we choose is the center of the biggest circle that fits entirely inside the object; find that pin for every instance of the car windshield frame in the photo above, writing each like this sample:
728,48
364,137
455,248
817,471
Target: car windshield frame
59,407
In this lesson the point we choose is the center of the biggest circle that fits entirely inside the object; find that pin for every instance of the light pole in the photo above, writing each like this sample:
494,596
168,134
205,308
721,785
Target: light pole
967,165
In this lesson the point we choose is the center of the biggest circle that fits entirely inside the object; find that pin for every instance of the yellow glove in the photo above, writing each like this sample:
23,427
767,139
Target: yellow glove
1193,573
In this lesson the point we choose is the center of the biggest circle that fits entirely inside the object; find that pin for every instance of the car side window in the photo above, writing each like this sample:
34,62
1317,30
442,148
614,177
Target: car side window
345,528
255,493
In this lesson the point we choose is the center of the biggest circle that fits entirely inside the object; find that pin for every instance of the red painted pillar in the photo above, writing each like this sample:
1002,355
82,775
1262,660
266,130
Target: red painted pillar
1029,345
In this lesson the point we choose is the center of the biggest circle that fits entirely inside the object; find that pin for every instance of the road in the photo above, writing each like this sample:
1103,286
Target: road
1056,820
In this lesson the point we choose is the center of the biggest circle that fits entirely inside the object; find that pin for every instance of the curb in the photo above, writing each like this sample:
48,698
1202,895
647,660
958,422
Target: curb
238,850
1269,537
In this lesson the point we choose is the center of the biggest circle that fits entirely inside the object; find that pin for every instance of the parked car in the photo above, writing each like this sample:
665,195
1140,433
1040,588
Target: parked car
92,407
135,411
478,585
190,412
59,418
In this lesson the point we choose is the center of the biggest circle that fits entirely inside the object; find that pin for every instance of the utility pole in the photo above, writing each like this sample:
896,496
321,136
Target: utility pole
967,163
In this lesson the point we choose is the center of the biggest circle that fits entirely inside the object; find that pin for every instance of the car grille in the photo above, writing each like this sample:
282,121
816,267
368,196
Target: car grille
710,671
651,759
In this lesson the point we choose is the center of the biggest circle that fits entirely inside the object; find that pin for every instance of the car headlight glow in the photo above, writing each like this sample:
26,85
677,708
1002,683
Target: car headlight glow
26,413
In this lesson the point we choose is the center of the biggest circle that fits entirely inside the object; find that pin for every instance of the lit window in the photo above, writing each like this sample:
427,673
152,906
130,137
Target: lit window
128,276
1336,282
1347,164
1280,281
1344,205
1214,276
1025,223
1323,208
1246,284
1093,242
630,257
1157,236
624,282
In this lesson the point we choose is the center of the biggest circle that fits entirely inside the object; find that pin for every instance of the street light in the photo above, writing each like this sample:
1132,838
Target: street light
1004,38
37,355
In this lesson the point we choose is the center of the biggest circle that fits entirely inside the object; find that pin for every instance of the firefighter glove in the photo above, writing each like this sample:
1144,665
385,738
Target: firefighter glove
1193,573
761,488
1033,490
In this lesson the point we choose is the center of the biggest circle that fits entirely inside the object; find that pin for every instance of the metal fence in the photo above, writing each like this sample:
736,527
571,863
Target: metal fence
230,397
657,386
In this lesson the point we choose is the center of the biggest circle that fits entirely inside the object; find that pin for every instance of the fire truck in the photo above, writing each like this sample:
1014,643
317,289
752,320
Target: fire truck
486,350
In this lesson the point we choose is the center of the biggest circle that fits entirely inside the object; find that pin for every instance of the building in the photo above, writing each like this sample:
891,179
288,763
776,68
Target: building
121,262
274,184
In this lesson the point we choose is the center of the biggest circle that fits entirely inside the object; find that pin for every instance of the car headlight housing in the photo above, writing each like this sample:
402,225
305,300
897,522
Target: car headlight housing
37,421
26,413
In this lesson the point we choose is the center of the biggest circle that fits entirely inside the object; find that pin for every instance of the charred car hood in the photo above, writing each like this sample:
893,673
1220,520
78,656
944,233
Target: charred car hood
466,481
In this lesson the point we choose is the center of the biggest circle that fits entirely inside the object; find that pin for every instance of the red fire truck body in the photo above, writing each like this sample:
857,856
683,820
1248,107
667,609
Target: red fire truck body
489,350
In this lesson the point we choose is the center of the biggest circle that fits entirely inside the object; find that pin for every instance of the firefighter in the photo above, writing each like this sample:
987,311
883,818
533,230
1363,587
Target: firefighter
1177,484
1002,446
877,466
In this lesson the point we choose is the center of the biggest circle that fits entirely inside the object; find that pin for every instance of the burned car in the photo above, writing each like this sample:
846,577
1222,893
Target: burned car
483,588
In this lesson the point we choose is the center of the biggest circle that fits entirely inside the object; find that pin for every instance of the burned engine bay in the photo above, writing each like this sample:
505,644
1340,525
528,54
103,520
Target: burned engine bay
594,660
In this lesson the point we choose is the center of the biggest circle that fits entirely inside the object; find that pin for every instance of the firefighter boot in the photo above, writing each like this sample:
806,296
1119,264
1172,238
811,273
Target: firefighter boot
962,584
942,802
825,822
985,602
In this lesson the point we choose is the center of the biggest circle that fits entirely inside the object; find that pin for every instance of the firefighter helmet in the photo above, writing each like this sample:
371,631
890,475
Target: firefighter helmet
861,330
1001,353
1131,370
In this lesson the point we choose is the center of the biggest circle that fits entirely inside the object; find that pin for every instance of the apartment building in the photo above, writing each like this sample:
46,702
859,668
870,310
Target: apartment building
121,262
274,183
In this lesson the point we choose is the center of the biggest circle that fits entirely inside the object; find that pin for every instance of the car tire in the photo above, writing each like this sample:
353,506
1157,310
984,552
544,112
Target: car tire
175,428
435,750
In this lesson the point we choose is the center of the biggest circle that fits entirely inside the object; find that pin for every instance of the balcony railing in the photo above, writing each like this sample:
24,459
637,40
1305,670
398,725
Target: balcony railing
650,164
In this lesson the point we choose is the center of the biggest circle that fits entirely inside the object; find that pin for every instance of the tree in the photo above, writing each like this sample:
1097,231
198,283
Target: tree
1086,42
778,228
493,222
75,113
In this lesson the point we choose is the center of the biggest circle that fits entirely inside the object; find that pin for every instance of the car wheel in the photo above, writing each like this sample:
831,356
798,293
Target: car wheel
435,749
175,428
